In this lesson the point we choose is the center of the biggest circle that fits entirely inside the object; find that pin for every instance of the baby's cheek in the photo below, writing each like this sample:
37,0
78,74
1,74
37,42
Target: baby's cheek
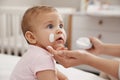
65,36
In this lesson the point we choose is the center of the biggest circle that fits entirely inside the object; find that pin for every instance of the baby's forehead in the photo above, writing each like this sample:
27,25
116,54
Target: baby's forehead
45,14
48,15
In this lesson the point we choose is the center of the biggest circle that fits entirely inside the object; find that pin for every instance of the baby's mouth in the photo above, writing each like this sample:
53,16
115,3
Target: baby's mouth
59,40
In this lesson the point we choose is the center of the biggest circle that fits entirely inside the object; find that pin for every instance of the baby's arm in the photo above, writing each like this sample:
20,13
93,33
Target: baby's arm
47,75
51,75
61,76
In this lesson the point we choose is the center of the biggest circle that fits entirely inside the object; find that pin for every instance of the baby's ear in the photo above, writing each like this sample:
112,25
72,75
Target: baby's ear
30,37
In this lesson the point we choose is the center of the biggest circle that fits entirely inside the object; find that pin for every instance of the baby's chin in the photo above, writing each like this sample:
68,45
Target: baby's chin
58,46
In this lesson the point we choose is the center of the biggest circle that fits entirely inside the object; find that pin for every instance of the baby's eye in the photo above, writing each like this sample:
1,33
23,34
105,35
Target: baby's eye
50,26
61,25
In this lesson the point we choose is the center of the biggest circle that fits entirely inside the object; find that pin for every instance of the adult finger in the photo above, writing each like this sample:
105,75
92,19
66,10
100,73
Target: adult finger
51,50
55,52
62,48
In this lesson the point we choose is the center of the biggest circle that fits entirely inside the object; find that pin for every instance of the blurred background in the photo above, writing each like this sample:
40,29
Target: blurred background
57,3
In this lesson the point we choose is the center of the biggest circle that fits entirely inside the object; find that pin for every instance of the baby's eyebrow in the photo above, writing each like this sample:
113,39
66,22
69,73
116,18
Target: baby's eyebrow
61,22
47,22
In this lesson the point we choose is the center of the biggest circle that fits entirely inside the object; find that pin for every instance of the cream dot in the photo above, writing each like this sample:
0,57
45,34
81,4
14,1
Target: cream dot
51,37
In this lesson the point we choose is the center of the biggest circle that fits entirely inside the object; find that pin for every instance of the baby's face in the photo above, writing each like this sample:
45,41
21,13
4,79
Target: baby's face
47,24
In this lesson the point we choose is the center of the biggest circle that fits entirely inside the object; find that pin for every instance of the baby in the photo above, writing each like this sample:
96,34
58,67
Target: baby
41,26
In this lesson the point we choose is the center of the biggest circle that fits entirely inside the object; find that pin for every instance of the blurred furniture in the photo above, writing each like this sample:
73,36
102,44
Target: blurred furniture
106,28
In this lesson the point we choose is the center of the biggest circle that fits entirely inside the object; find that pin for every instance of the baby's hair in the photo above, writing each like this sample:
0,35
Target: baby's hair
31,14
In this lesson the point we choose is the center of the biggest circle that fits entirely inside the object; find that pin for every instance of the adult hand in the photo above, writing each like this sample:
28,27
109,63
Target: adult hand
70,58
98,46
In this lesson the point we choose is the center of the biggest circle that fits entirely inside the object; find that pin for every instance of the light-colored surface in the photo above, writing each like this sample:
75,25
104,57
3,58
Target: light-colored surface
10,42
58,3
7,63
104,11
19,2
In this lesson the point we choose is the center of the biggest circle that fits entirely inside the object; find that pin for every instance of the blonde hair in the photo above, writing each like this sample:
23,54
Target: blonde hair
31,14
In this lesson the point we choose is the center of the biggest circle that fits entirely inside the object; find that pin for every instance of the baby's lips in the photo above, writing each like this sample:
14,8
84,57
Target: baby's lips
60,40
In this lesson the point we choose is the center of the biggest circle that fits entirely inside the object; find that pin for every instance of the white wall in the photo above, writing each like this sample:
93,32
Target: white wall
115,2
64,3
71,3
57,3
19,2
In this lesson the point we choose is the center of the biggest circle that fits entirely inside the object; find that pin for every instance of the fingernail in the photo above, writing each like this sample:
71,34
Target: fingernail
49,47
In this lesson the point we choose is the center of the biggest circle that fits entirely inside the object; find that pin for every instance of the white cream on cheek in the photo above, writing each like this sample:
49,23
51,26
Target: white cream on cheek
51,37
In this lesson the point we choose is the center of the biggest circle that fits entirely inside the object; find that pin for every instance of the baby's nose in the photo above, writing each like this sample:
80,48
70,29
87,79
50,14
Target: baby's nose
59,31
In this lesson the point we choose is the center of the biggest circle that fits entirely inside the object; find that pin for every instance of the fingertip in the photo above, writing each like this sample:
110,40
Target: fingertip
49,47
